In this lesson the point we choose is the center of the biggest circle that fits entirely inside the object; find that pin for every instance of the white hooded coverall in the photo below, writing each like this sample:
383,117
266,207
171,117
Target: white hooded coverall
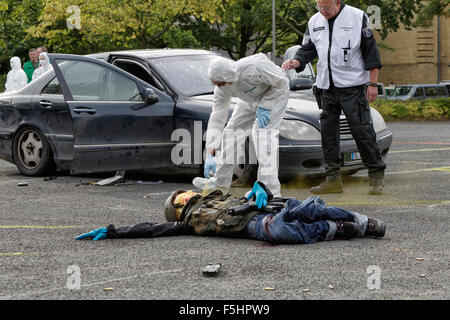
44,66
257,82
16,78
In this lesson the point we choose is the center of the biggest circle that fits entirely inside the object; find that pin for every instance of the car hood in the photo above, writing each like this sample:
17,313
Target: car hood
301,106
305,104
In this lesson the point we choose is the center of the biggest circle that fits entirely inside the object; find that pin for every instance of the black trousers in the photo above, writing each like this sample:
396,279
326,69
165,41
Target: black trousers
354,103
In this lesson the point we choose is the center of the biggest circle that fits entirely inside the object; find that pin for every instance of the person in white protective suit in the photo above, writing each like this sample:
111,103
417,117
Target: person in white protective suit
263,90
16,78
44,65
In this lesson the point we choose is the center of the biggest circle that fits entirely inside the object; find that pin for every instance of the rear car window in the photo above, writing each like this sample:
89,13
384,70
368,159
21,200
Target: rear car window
403,90
52,87
430,91
419,92
441,91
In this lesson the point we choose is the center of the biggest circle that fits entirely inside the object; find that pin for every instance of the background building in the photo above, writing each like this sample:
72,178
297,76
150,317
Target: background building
420,55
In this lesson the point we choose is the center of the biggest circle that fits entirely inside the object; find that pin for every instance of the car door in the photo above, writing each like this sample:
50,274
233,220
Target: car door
114,128
51,108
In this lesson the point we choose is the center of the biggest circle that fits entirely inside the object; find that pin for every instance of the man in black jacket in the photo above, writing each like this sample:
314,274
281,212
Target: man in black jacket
347,74
281,220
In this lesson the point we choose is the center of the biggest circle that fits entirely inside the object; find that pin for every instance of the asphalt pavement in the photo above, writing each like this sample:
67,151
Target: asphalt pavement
39,258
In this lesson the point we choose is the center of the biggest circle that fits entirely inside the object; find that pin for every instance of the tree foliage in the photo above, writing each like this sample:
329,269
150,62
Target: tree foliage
238,27
15,17
246,25
432,8
118,24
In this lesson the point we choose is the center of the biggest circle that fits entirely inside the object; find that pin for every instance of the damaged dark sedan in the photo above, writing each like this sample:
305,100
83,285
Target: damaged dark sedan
141,110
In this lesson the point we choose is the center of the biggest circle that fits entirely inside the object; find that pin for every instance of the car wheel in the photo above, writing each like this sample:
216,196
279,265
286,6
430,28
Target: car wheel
32,154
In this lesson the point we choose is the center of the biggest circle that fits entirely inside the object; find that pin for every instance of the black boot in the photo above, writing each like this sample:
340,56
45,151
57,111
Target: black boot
331,184
346,230
375,228
376,186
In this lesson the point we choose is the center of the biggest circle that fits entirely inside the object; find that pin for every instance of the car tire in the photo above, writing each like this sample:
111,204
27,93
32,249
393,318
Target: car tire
31,152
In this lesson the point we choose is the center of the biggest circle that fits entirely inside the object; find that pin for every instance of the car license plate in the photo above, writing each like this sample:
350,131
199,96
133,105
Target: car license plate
351,156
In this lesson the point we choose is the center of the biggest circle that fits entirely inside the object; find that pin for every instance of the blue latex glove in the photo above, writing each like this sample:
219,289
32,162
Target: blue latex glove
260,194
97,234
210,164
263,116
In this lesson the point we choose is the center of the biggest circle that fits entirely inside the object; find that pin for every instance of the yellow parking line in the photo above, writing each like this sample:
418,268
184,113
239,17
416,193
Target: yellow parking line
38,227
419,150
444,169
438,169
12,253
383,202
428,143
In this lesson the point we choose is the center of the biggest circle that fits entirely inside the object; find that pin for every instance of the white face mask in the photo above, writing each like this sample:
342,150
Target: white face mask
43,63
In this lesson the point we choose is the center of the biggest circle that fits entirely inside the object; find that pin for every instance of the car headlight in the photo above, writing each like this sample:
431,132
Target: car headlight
298,130
378,121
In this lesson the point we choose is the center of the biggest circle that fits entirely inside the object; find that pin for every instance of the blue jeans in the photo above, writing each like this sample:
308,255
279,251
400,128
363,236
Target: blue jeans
306,221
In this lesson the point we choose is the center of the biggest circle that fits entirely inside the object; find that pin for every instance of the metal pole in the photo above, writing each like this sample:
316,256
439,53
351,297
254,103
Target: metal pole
438,50
273,31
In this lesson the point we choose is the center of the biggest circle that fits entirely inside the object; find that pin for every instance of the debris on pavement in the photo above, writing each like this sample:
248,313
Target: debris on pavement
129,182
118,180
212,269
88,183
120,175
22,184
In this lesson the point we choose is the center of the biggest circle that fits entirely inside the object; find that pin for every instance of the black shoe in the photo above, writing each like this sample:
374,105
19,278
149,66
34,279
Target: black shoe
346,230
376,186
375,228
331,184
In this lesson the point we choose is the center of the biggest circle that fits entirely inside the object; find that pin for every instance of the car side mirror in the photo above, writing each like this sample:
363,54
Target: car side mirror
150,97
301,84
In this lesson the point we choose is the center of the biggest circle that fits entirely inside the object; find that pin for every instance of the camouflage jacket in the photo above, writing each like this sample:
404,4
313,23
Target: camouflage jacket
210,215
